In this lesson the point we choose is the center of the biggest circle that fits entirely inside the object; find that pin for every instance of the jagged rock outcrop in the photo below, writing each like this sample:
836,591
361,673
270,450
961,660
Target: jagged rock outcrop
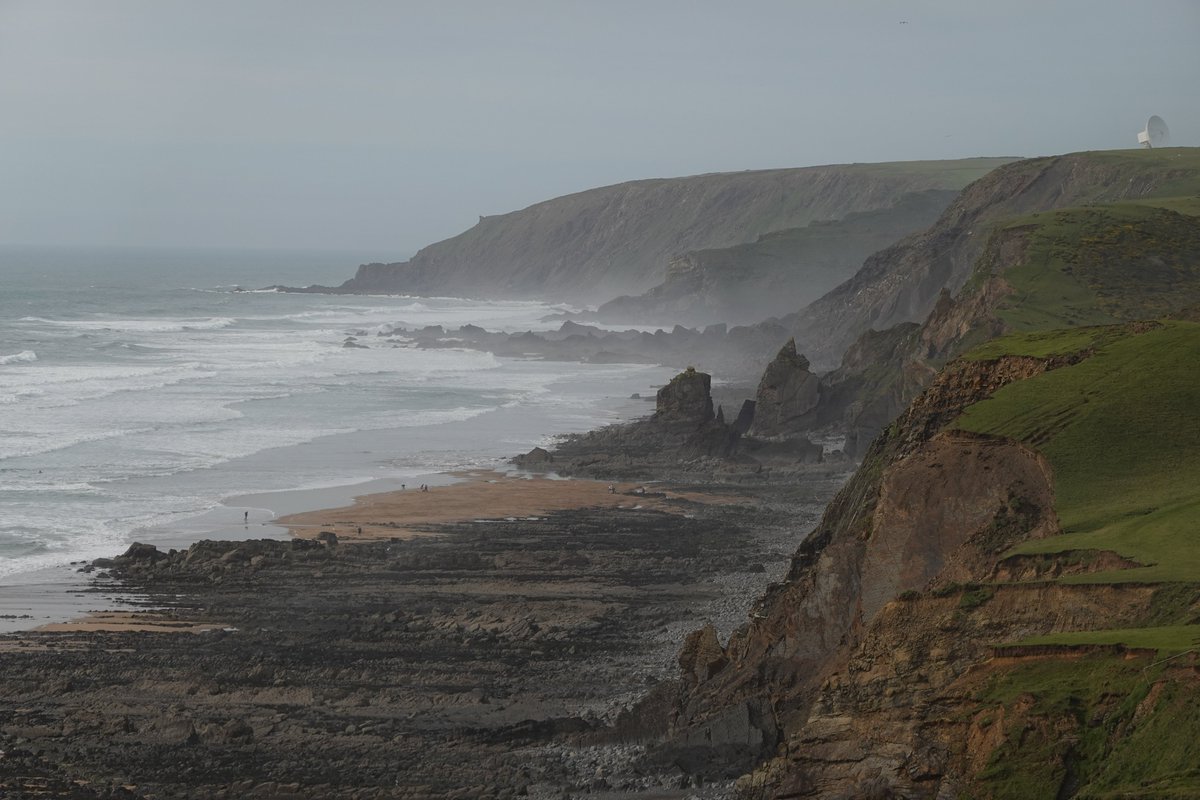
786,394
683,434
594,245
686,399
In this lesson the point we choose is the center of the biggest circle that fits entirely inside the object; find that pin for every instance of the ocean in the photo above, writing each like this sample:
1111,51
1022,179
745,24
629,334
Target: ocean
157,395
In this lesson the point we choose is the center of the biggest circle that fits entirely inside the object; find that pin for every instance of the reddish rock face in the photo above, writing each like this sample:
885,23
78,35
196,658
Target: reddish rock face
824,656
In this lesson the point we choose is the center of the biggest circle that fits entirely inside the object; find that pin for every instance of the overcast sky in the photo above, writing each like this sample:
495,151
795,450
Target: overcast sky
384,126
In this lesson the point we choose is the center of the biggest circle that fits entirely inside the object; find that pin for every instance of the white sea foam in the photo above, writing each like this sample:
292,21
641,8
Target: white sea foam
128,419
23,357
139,325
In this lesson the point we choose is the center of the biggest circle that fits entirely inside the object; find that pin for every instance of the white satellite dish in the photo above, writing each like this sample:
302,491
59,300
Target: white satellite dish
1156,133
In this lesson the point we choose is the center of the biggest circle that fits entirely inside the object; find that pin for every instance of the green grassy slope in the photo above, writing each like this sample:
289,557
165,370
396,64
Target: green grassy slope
1166,639
1098,265
1122,432
1096,725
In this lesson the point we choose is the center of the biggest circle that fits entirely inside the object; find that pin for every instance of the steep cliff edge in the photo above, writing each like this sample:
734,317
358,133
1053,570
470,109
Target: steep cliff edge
1072,267
1014,546
902,283
597,244
780,272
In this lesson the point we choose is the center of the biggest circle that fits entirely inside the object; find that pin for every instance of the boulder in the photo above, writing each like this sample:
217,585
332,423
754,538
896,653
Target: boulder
537,458
702,655
141,552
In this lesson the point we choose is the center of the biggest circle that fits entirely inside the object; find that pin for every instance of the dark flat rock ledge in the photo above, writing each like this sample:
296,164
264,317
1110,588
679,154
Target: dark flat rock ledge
488,661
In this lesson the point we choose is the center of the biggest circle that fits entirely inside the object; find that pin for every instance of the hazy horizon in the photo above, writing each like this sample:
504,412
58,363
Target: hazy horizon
380,128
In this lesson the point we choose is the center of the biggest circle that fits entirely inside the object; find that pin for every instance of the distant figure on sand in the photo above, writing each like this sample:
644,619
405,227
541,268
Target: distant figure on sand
402,487
612,489
245,517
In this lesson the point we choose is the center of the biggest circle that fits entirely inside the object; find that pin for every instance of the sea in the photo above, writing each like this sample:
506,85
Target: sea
163,395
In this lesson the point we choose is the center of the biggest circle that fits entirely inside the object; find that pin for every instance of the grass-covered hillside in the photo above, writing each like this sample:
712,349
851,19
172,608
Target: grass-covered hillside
780,271
1103,264
1120,429
903,282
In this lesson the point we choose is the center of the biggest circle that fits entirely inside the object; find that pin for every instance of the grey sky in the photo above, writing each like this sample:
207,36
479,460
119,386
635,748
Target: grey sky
382,127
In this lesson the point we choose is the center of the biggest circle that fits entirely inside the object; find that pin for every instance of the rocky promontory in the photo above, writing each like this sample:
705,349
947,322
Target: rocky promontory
595,245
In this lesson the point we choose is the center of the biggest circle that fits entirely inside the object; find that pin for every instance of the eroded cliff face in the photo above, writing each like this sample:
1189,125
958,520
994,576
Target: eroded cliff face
780,272
902,283
1099,265
597,244
899,658
929,512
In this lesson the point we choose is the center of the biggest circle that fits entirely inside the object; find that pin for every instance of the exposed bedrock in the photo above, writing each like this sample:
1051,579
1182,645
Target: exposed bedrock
930,510
687,399
786,394
684,436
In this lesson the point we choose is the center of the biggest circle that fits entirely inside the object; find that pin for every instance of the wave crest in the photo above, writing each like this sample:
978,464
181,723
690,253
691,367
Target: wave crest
23,357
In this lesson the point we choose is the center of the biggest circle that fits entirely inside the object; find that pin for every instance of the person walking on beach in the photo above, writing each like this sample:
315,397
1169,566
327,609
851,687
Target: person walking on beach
245,518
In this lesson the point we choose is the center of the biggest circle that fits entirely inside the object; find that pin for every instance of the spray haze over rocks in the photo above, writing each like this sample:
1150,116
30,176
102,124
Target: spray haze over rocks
596,244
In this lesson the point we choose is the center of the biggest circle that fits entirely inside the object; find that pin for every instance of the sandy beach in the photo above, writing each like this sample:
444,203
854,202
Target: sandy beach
481,495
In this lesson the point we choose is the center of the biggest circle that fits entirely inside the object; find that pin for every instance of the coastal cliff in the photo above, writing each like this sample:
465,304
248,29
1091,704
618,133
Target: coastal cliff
779,272
968,589
1002,602
902,283
597,244
1101,264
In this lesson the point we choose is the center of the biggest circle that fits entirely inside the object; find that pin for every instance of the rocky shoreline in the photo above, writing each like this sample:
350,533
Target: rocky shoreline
489,659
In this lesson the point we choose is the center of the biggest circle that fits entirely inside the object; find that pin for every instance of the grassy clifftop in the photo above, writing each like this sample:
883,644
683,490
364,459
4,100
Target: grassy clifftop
903,282
1120,431
1092,266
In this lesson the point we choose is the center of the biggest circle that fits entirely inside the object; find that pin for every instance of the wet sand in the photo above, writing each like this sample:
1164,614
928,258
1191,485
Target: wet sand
127,622
483,495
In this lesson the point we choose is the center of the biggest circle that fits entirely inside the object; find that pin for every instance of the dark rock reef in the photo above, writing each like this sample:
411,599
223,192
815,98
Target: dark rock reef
487,661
